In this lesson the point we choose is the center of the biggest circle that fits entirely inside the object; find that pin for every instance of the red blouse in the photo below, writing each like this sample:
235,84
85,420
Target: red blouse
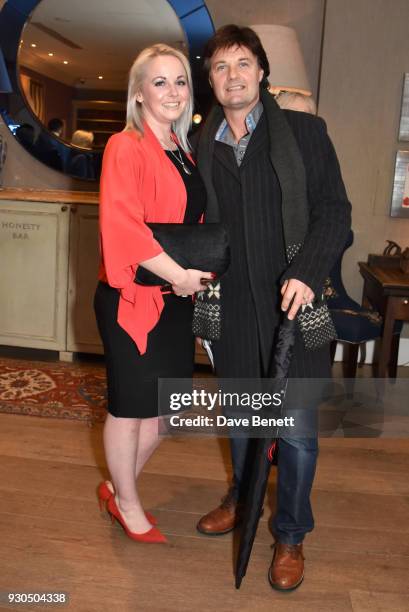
139,184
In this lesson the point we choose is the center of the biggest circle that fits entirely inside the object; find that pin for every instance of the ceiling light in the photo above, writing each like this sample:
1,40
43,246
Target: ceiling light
197,118
198,57
33,45
65,62
100,77
51,54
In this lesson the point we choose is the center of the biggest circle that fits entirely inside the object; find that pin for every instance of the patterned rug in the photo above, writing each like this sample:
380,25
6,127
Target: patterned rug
59,390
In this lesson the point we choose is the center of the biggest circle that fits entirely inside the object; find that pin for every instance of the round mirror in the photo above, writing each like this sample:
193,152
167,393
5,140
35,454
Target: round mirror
68,63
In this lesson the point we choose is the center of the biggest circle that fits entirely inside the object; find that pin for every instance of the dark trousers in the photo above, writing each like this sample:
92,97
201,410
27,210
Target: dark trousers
297,454
297,458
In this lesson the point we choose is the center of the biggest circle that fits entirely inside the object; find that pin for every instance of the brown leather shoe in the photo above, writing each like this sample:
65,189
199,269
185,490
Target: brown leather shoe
221,520
286,572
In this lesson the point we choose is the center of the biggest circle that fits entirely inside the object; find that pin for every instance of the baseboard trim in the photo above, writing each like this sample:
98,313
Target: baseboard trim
403,357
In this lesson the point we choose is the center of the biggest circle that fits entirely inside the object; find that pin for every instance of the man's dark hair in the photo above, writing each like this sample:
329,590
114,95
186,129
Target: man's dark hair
55,124
231,36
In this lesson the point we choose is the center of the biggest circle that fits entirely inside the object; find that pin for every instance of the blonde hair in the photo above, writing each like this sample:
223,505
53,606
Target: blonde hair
292,100
82,138
134,113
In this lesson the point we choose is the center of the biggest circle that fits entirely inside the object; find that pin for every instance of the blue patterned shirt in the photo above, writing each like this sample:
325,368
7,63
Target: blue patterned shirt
224,133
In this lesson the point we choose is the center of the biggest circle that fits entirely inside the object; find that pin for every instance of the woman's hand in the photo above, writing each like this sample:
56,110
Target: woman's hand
184,282
191,282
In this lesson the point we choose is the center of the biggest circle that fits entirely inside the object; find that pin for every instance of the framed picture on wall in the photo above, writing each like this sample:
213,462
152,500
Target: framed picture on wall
400,196
404,113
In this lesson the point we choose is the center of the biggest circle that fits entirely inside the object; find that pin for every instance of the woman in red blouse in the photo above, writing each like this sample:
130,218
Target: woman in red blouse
147,176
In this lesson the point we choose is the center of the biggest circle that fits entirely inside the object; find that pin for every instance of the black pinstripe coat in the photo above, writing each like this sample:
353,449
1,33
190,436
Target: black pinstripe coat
248,200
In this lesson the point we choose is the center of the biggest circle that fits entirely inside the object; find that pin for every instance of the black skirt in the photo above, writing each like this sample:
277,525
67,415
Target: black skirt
132,378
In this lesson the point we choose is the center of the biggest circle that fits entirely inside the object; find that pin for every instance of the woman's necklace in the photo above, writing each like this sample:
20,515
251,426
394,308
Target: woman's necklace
177,156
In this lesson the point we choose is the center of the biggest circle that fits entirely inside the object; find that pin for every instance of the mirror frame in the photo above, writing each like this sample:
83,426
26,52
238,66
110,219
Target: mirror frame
194,18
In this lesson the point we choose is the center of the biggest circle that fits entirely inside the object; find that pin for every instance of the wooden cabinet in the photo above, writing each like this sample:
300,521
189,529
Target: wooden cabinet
33,274
49,255
82,332
48,274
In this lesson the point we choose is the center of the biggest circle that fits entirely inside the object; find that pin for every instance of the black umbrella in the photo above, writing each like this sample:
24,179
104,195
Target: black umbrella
264,453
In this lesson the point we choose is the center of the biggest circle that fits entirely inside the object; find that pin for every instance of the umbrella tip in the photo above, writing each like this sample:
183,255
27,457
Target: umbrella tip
238,583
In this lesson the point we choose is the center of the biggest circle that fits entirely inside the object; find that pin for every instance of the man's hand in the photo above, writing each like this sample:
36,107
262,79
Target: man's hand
301,293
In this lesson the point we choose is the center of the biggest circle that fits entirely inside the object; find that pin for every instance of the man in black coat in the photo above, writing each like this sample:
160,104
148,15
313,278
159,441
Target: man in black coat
272,177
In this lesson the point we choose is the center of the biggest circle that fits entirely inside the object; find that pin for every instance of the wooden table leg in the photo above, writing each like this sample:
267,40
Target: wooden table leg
366,303
393,361
386,341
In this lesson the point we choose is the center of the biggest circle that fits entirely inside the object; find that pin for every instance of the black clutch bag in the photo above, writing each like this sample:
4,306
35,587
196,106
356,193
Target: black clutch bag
201,246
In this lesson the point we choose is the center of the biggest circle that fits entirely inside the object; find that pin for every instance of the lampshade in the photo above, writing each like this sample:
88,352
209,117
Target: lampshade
287,68
5,85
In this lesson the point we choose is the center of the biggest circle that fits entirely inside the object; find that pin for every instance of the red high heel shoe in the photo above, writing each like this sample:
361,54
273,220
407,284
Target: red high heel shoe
104,493
153,536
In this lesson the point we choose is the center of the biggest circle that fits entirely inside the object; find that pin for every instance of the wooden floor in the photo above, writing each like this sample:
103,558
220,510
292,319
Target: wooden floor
53,537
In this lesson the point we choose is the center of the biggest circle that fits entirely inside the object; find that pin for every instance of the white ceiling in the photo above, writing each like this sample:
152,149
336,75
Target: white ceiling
110,34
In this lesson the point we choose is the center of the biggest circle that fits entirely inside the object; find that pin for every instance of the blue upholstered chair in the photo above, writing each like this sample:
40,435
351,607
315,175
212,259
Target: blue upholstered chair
354,324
